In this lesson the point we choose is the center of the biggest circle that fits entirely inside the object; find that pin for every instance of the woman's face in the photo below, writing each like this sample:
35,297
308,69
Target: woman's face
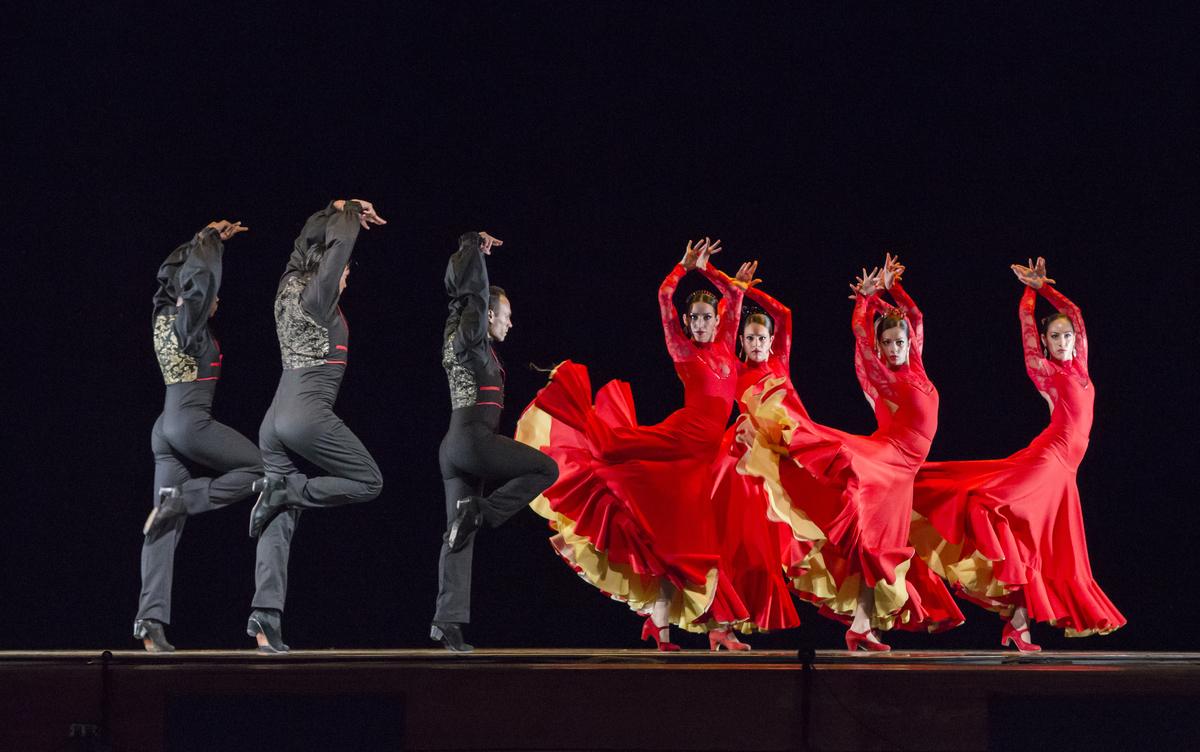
702,322
756,342
1059,340
893,346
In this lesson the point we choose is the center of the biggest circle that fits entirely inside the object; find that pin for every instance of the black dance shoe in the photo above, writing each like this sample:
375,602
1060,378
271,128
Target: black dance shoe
169,507
450,635
152,635
271,495
267,622
466,522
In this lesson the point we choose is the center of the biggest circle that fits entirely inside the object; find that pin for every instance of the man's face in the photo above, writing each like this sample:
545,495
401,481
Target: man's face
500,319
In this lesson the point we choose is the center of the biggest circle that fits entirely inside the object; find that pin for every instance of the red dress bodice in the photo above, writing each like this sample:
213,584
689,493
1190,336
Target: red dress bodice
708,371
905,400
1066,384
778,364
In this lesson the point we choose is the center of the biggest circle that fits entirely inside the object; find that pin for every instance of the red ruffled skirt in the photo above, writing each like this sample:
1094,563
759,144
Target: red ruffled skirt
848,501
630,526
751,546
1011,530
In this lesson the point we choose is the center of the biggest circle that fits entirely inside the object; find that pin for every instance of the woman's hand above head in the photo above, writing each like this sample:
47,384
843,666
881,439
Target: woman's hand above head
226,229
892,271
691,254
711,247
1033,275
866,284
488,242
745,278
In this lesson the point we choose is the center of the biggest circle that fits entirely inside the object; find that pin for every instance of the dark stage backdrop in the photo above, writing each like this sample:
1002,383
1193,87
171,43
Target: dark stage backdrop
594,138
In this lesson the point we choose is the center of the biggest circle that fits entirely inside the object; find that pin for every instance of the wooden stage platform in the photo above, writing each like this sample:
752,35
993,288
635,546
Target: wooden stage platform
331,700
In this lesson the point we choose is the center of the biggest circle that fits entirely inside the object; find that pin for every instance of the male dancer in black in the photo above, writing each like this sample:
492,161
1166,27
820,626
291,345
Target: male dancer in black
314,343
185,433
472,453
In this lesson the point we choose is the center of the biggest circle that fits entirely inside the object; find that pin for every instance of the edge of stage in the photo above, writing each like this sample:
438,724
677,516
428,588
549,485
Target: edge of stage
584,699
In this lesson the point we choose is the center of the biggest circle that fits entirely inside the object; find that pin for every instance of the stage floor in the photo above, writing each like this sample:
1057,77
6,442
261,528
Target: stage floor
596,700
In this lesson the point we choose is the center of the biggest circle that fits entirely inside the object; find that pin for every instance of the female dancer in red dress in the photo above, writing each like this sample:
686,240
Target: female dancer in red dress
751,543
1009,533
632,506
848,498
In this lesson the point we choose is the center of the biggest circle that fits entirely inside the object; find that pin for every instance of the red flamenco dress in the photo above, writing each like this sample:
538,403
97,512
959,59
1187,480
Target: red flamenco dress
752,544
848,498
632,507
1010,532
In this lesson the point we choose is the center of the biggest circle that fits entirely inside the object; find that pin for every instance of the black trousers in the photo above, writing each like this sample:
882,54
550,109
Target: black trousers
301,421
472,454
186,434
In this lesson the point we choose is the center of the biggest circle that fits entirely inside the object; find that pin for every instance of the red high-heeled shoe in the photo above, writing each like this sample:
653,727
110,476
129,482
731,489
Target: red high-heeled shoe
863,641
650,631
725,637
1013,635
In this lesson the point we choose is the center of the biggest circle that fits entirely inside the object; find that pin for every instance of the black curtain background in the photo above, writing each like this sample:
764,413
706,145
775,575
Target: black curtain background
594,138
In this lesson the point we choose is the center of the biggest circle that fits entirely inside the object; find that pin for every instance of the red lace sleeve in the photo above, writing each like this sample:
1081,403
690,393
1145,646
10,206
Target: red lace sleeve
782,315
872,375
1063,305
1036,366
876,304
731,300
916,322
678,345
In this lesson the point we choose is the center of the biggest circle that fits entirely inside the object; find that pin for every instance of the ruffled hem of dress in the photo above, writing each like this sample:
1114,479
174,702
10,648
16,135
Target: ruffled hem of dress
777,613
638,590
913,602
1077,605
603,544
897,602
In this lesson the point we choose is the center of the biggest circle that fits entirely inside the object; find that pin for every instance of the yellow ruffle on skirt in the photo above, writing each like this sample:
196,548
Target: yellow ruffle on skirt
810,576
637,590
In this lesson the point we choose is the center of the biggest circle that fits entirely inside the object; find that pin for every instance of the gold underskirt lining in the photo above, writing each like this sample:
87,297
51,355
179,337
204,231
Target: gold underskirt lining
774,428
618,581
